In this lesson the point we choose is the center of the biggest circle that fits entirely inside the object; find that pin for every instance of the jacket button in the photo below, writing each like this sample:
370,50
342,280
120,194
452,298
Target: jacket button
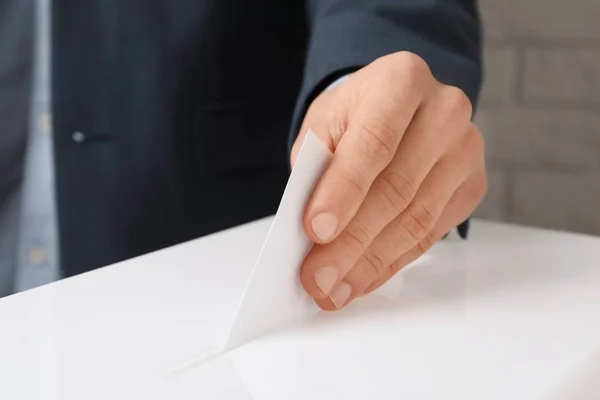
78,137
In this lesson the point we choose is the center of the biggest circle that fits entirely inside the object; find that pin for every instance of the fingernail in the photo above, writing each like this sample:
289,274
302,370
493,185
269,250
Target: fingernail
326,278
324,226
340,294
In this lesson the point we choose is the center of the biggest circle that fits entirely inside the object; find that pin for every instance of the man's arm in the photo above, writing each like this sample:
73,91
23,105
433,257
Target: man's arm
346,35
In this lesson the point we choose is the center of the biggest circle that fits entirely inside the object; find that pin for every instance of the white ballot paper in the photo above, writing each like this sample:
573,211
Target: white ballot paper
274,296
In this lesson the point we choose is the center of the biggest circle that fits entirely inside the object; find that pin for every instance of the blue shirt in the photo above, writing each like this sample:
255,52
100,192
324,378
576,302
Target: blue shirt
37,249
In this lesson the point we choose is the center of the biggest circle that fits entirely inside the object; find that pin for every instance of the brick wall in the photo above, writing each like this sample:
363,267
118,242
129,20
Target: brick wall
540,112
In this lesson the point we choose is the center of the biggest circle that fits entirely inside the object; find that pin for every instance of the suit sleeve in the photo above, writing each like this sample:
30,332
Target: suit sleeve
346,35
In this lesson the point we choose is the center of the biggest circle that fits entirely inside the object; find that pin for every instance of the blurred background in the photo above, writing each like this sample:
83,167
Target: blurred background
540,112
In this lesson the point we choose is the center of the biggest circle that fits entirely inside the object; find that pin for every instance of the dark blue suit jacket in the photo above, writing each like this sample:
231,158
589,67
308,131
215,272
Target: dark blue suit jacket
186,105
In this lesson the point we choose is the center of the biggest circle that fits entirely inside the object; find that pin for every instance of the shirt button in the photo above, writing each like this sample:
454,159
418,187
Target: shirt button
37,255
78,137
45,123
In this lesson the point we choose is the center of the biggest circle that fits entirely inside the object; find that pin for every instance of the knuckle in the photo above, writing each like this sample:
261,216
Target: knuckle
481,152
405,259
411,64
419,221
375,264
397,265
483,187
476,144
357,238
354,182
378,140
335,126
425,244
398,187
457,102
480,188
403,66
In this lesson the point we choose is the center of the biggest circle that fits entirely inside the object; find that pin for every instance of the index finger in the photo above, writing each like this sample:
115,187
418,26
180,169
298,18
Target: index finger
365,149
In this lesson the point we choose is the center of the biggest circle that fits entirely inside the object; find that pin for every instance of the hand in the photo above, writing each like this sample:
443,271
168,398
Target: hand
408,166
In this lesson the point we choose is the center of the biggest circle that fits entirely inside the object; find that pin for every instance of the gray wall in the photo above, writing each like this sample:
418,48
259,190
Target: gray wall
540,113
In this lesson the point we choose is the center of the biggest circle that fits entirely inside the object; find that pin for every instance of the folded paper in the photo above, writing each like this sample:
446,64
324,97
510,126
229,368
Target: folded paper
274,296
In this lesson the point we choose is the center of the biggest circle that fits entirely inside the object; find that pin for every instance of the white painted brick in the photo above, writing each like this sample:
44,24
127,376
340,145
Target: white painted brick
500,67
494,205
558,200
542,138
562,75
541,19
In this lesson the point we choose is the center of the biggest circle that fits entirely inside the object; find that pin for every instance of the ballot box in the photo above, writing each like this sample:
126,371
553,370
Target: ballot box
512,313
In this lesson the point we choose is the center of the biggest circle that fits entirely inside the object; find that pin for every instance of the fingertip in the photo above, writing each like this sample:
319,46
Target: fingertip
324,226
341,295
321,227
326,304
339,298
308,279
309,230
